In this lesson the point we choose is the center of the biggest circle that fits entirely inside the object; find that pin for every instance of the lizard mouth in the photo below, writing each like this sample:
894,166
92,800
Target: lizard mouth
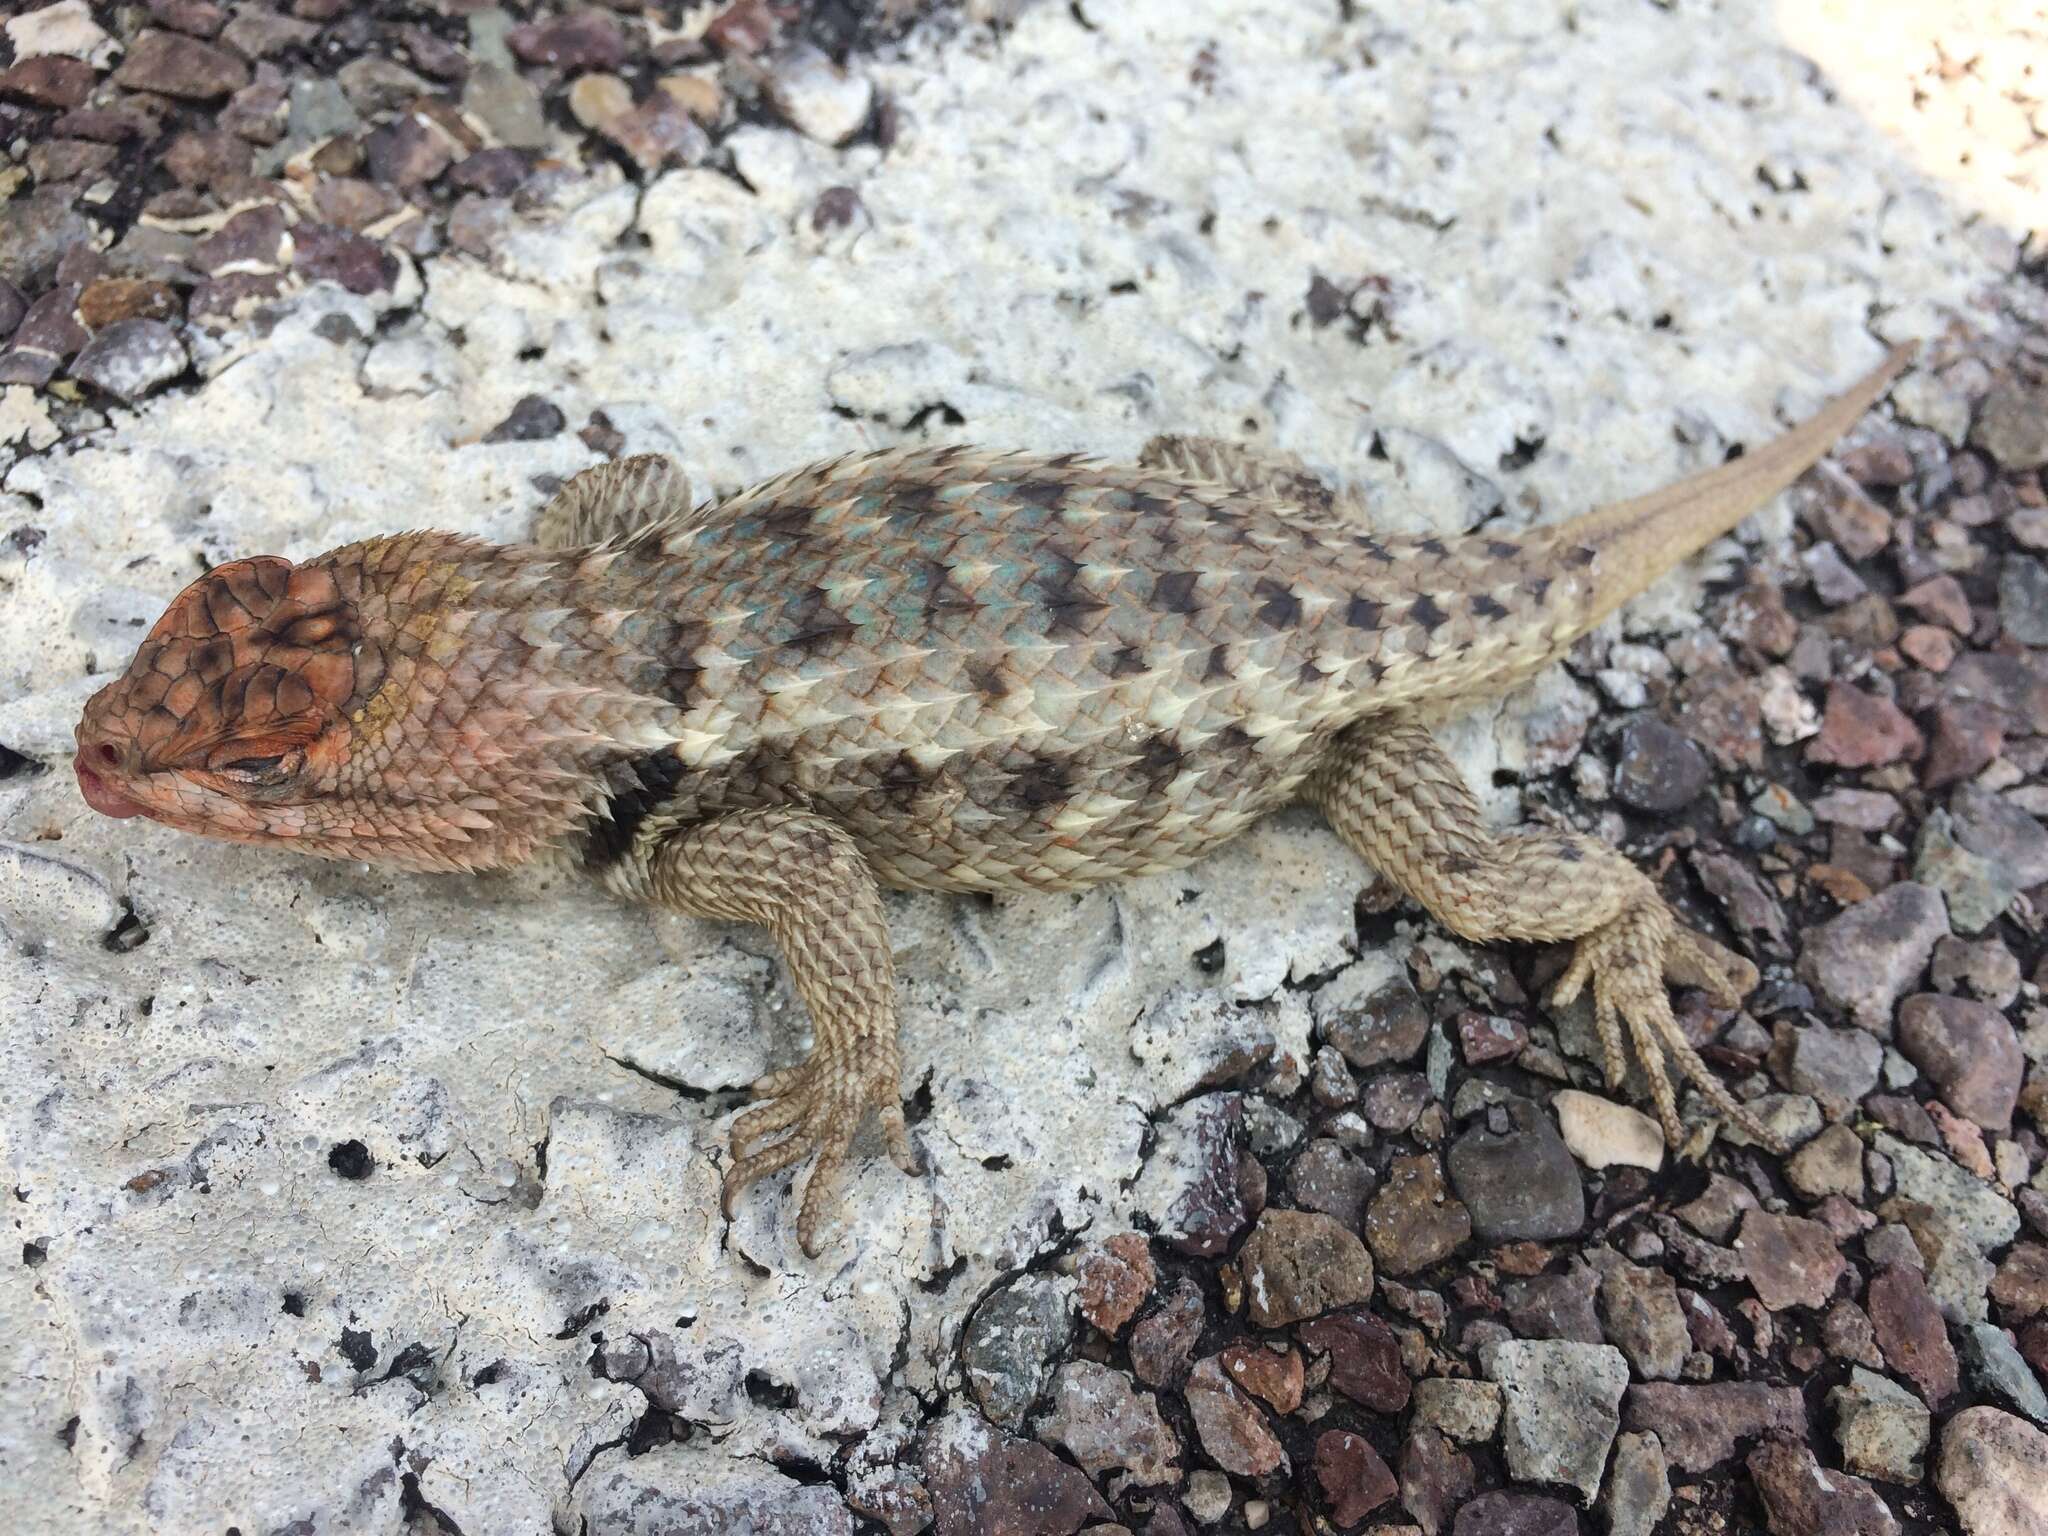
101,795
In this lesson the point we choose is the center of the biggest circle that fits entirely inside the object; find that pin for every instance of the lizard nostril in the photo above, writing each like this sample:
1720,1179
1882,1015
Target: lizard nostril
108,755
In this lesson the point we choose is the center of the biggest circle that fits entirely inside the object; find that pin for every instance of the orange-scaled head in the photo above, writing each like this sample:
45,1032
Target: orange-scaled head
232,718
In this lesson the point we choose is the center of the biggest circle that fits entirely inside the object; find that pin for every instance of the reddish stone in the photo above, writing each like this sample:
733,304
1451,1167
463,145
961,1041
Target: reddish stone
1911,1333
48,80
175,65
1276,1378
1365,1358
1354,1479
1863,730
1112,1280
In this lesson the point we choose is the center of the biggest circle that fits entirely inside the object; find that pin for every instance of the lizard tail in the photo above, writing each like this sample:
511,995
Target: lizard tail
1638,540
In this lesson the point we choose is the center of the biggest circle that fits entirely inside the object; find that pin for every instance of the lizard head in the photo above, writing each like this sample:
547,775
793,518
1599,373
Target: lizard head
232,718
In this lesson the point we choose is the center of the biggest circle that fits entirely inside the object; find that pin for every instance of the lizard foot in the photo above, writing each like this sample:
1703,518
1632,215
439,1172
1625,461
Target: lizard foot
820,1104
1631,961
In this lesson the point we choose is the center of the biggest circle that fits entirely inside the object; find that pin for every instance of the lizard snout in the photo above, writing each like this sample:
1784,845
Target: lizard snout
99,791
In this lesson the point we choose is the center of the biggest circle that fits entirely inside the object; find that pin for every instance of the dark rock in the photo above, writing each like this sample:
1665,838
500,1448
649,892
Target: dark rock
350,203
1968,1051
59,160
442,60
48,336
35,232
1390,1026
1995,1368
658,132
1163,1340
372,85
494,172
1751,909
1994,828
1354,1480
172,64
115,124
1792,1262
1718,1209
532,419
1365,1358
253,241
1394,1101
2021,1285
1556,1306
203,156
1298,1264
199,18
1516,1176
1638,1490
1700,1425
1009,1344
1834,582
407,152
1329,1179
1911,1332
1865,959
256,33
130,359
1985,970
1803,1498
48,80
1964,740
1435,1479
986,1483
1660,770
1487,1038
356,262
1414,1222
1516,1514
1208,1200
1882,1428
1836,1066
2023,599
1276,1377
581,40
1640,1308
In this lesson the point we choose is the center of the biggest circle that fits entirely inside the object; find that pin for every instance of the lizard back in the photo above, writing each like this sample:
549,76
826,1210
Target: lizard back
1002,670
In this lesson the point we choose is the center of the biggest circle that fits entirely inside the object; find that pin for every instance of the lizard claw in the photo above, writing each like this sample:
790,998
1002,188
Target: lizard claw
1630,962
821,1105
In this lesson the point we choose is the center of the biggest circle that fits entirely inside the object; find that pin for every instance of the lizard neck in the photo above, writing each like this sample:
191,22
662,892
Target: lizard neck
495,690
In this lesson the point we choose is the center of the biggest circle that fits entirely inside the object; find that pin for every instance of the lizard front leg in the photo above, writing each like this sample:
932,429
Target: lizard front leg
1390,792
609,500
800,876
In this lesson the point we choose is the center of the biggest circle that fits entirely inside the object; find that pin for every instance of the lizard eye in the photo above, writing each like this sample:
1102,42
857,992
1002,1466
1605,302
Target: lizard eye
260,770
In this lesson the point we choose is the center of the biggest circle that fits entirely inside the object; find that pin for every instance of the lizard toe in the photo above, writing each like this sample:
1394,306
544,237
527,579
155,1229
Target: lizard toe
1631,961
769,1160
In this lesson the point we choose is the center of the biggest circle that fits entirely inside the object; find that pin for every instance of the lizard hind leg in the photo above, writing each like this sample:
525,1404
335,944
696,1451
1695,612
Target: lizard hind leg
1389,792
1275,474
608,501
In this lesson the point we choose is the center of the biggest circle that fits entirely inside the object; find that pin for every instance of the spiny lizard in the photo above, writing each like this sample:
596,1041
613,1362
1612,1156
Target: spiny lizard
926,669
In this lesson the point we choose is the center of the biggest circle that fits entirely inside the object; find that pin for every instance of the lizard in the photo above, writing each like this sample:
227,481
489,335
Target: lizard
927,668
